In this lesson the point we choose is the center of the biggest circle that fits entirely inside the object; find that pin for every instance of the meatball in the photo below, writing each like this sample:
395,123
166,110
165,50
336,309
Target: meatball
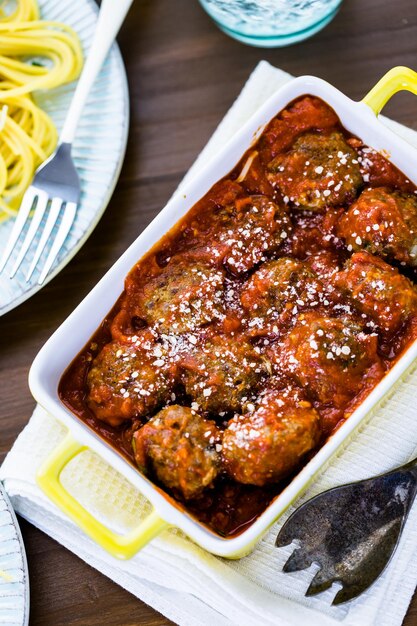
245,232
129,380
378,290
268,444
220,372
326,265
185,295
329,358
378,171
285,285
318,172
382,222
181,448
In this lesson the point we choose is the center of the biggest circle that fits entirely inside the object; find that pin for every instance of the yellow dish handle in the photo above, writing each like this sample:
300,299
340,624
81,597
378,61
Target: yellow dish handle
398,79
120,546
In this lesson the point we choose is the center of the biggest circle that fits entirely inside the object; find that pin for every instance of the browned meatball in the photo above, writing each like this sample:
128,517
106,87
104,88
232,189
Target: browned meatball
279,287
267,444
329,358
245,232
378,290
181,448
220,372
129,380
325,264
382,222
319,171
183,297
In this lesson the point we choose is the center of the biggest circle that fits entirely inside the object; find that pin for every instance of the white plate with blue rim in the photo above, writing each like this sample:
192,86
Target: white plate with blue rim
98,149
14,578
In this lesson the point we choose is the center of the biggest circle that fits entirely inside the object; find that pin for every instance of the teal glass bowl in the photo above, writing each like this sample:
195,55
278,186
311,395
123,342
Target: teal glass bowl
271,23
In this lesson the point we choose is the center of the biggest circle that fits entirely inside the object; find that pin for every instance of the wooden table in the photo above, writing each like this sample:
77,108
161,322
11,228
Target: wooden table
184,74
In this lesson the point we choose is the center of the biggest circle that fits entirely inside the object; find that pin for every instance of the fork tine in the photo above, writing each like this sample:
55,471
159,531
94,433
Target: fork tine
54,210
297,561
285,535
41,205
24,210
64,228
320,583
345,594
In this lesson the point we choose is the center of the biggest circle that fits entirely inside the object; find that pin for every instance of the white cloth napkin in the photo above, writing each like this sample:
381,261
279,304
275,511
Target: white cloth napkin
176,577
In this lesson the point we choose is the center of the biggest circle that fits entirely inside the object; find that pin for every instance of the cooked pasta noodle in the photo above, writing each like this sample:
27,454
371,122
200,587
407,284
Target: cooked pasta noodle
34,54
24,10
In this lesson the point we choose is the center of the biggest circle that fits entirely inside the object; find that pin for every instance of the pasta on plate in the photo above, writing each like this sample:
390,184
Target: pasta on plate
34,55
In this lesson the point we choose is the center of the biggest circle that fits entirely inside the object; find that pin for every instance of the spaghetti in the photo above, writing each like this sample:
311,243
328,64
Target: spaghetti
34,54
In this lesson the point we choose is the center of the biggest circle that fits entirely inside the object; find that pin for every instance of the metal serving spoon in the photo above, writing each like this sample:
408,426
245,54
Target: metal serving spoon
350,531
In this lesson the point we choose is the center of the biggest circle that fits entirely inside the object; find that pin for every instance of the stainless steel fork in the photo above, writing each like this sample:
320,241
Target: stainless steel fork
56,185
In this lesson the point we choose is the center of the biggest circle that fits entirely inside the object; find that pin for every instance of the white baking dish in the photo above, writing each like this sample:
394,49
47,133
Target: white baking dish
360,118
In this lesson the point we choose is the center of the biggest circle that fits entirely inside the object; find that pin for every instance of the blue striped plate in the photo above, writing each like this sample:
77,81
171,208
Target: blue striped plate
14,579
98,149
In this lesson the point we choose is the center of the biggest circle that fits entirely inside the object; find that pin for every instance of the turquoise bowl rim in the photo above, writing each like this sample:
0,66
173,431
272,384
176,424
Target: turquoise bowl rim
276,40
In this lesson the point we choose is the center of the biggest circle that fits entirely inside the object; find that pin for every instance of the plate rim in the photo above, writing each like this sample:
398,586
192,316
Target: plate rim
35,288
5,497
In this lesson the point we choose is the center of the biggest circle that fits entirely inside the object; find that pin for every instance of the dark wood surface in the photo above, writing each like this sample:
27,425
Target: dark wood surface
184,74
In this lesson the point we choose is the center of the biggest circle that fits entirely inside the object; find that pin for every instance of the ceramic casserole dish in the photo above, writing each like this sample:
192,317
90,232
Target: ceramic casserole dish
360,119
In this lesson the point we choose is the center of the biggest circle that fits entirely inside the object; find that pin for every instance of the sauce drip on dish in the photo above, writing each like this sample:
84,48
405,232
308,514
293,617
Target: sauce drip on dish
259,323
